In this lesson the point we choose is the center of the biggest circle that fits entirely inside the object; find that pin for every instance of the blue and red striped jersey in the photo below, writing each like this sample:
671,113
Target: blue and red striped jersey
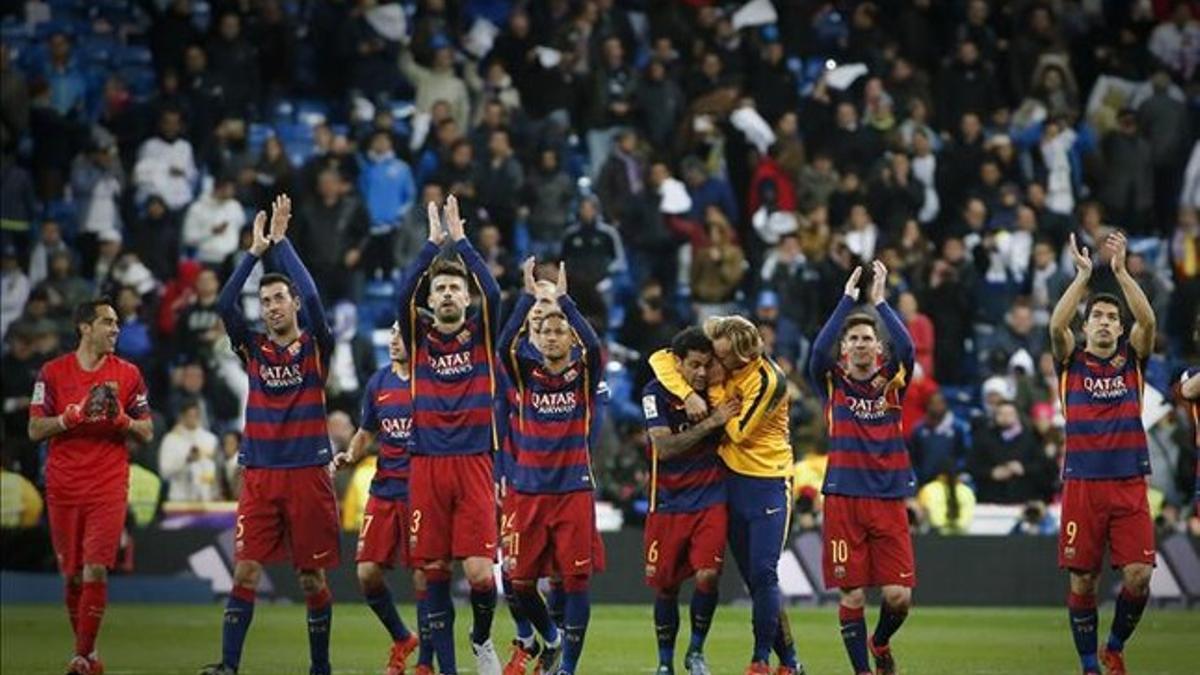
1194,409
387,412
453,379
285,413
1102,401
553,413
692,481
867,453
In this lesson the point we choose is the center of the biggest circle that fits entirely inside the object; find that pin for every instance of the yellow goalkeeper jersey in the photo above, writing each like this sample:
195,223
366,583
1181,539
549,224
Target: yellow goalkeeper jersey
756,442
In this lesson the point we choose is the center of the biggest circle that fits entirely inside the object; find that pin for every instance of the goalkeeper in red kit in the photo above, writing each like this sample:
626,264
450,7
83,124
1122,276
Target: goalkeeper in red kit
87,402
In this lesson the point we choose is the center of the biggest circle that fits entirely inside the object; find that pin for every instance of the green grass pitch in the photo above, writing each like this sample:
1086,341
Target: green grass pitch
165,640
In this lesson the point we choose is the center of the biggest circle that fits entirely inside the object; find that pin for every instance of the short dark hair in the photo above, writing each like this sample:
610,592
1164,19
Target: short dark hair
189,403
1107,299
690,339
860,319
86,311
448,266
277,278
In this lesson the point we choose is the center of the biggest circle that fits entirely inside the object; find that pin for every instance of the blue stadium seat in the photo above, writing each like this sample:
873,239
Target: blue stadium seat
141,80
311,112
133,55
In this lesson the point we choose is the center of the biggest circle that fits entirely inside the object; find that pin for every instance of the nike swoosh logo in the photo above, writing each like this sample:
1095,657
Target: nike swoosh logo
322,554
581,563
1150,552
771,512
905,575
489,546
384,397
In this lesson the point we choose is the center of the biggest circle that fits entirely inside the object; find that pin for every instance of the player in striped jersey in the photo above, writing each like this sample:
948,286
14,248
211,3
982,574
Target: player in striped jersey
1107,460
686,526
553,504
453,383
383,540
287,502
757,452
869,476
1189,390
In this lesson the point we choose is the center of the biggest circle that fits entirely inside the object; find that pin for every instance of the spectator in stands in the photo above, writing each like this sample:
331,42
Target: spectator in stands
97,181
611,102
1176,43
648,327
273,174
921,329
229,472
135,342
68,88
155,235
1166,125
1007,462
352,360
21,365
438,82
499,179
387,188
718,265
945,503
64,289
547,197
55,142
490,244
332,233
186,458
214,222
14,98
15,285
939,440
592,249
50,242
234,60
1128,191
621,176
199,328
414,231
1019,332
660,102
166,166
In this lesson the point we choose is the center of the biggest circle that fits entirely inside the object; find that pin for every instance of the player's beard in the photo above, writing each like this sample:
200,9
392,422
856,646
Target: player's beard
449,313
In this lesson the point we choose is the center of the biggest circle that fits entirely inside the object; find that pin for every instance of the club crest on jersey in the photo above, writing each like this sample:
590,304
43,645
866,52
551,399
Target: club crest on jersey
281,376
449,365
553,403
1118,361
294,348
463,337
1105,387
878,381
570,375
867,408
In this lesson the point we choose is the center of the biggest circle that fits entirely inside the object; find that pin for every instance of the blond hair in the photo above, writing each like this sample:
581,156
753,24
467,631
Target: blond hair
744,339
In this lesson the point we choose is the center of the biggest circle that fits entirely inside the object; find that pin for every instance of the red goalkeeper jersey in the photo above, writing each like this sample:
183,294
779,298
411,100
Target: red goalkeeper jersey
90,462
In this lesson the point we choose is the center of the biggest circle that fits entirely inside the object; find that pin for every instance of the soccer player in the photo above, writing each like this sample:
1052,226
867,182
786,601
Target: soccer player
288,506
757,453
451,495
383,540
1189,389
552,484
685,529
869,475
87,402
1104,493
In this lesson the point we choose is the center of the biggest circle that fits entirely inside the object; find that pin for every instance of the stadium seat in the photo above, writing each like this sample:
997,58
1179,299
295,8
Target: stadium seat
1184,562
133,55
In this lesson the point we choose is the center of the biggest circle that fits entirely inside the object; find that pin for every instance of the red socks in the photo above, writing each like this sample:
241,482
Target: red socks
93,599
73,591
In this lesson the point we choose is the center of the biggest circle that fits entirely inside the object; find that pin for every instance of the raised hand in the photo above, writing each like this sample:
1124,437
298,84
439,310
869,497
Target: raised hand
259,244
1083,261
281,215
454,222
852,283
1117,247
436,234
560,286
527,275
878,282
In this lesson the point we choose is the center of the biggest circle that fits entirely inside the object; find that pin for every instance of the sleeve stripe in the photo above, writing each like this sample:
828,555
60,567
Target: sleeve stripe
780,386
765,382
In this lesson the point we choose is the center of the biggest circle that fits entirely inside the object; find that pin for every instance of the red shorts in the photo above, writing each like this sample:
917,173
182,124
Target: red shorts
384,535
508,519
552,531
866,543
86,533
677,545
452,508
282,511
1100,512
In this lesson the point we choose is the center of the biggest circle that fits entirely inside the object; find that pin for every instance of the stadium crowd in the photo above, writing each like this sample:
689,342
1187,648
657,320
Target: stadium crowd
684,159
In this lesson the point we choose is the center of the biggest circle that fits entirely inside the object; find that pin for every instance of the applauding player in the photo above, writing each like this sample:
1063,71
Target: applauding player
383,540
551,478
288,505
87,402
1104,486
451,496
869,476
685,529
